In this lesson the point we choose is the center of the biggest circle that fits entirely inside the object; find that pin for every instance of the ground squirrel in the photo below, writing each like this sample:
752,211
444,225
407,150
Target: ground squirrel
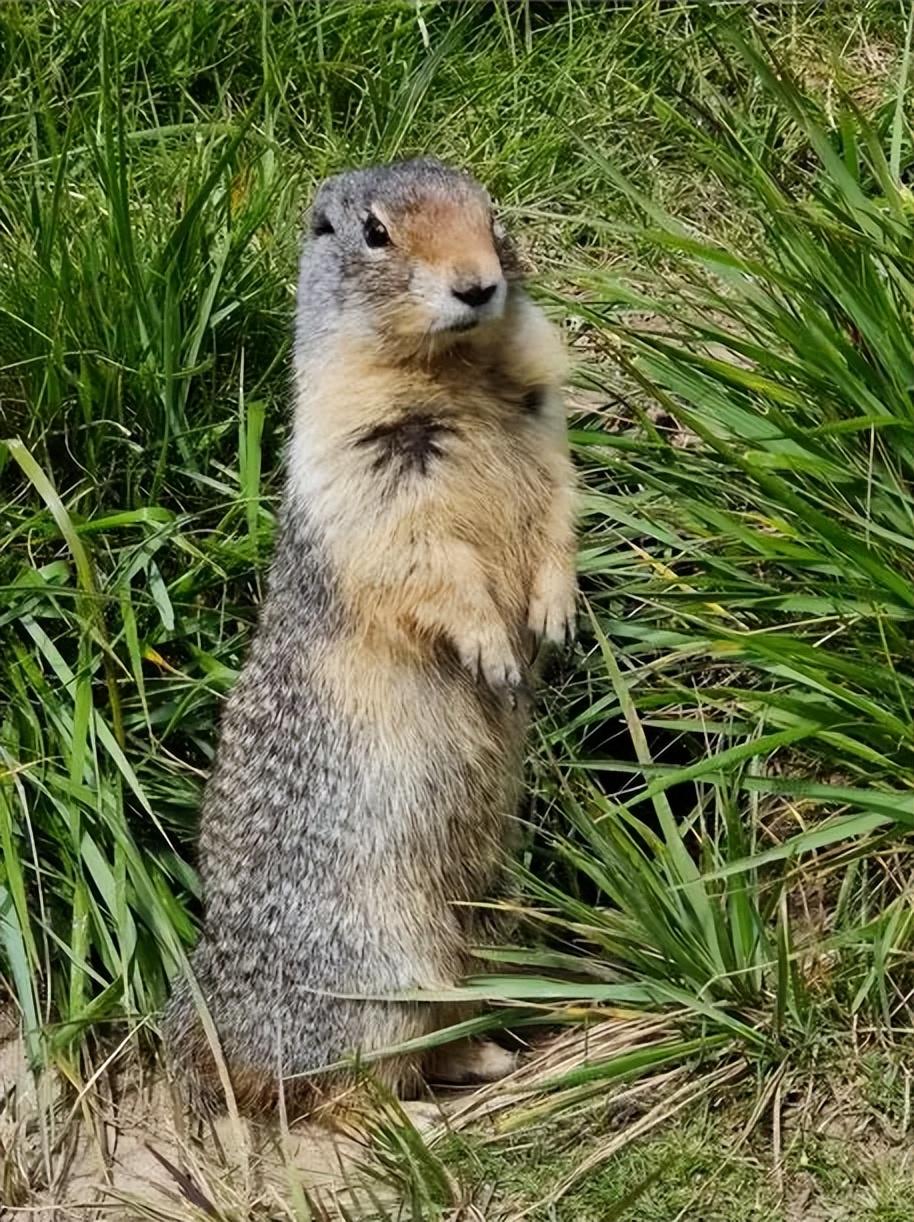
370,756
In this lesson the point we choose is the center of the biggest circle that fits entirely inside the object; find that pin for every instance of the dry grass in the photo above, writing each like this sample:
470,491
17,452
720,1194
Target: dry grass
117,1145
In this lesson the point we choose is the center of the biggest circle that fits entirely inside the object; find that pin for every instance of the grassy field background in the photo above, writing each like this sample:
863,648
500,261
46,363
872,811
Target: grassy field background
716,203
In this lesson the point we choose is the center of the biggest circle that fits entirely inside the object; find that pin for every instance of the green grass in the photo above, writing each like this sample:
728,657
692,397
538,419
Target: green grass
705,1165
724,779
832,1145
653,1183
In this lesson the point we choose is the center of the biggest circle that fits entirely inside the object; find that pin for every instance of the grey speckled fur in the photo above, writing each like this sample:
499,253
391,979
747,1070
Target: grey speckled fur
299,843
328,868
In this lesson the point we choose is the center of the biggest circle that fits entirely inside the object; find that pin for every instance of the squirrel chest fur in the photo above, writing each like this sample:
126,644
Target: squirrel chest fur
369,765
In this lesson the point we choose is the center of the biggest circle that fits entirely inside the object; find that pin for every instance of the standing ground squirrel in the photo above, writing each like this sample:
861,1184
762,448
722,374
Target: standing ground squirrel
370,758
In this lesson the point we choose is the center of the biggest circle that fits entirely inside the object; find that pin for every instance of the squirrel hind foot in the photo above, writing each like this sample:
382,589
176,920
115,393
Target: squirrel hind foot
470,1062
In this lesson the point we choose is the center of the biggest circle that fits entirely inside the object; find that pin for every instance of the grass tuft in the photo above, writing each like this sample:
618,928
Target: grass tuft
719,207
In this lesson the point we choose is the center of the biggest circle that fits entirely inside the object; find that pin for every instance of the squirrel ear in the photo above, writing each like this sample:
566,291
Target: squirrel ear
320,224
325,201
507,252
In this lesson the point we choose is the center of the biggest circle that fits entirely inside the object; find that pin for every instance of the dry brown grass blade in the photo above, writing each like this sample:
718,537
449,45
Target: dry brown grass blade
561,1054
185,1182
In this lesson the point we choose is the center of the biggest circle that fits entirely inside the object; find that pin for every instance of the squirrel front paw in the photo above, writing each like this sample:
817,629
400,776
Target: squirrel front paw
486,653
551,615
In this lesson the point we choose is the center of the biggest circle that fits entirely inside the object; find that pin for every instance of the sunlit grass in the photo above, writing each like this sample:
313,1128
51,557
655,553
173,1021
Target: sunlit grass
734,262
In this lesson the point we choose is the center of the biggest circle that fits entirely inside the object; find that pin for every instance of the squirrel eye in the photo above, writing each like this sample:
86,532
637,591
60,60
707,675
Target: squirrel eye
321,225
375,233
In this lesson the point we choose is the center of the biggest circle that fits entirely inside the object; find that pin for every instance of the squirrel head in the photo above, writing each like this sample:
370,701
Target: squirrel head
410,252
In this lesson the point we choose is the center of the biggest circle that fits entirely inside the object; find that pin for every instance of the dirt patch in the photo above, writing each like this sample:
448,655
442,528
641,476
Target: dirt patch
127,1156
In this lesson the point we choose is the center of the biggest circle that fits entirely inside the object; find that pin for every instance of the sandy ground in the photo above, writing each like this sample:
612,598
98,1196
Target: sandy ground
131,1157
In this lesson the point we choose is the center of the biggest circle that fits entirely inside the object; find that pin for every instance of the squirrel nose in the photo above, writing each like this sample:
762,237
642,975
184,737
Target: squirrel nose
476,295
